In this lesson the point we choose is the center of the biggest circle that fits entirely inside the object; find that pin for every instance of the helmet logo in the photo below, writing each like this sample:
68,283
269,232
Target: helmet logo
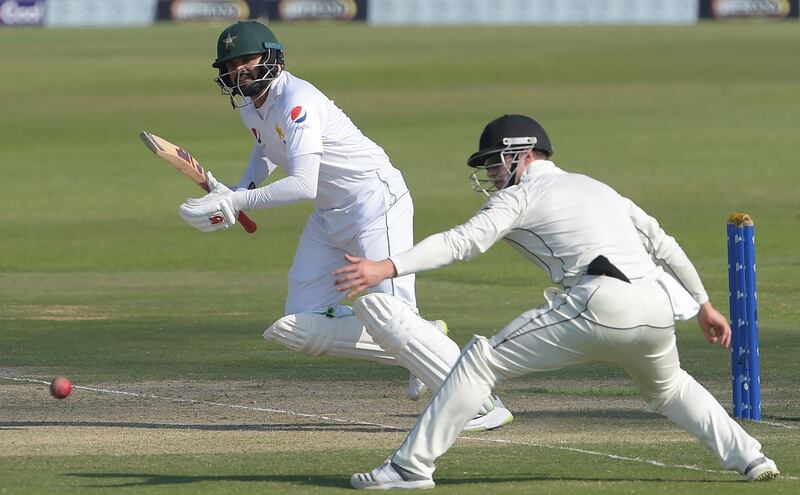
229,41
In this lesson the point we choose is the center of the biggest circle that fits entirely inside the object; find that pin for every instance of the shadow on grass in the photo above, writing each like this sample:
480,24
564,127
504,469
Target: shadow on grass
602,413
621,414
8,425
781,418
146,479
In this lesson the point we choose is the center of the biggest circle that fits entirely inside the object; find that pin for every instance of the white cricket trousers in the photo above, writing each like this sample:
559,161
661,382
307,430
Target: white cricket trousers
601,319
375,225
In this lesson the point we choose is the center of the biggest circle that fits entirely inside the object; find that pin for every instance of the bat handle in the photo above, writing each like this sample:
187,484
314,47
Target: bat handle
248,225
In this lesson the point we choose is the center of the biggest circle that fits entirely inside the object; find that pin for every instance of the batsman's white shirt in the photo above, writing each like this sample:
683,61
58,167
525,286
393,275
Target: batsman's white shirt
561,222
362,204
296,120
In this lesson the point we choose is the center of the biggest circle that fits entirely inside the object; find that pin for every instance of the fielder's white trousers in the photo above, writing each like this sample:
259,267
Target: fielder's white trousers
601,319
377,223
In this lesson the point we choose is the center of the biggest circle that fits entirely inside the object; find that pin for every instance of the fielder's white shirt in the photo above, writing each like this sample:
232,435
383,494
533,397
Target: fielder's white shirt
325,156
561,221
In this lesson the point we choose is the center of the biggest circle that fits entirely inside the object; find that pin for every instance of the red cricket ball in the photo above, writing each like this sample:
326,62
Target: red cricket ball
60,387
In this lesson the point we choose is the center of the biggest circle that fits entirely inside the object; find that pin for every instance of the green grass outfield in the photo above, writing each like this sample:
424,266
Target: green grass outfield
101,281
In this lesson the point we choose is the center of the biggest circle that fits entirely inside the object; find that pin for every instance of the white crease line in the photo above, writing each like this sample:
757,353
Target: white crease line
771,423
601,454
611,456
395,428
210,403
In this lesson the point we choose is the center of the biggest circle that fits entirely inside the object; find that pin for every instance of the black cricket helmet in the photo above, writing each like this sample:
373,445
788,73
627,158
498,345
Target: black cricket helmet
243,39
504,142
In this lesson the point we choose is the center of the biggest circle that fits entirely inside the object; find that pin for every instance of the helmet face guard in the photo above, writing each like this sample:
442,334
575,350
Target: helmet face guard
260,77
247,40
499,166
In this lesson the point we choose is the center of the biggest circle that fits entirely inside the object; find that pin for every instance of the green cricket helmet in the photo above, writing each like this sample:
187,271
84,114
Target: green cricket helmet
242,39
246,39
505,141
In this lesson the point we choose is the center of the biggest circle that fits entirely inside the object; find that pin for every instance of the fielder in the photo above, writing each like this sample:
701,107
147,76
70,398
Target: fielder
362,206
617,302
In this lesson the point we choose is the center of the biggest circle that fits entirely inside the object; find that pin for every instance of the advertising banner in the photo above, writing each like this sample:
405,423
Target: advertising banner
100,12
532,12
749,9
268,10
21,12
204,10
333,10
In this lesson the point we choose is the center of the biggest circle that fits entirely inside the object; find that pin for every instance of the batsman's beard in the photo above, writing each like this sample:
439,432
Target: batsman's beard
255,88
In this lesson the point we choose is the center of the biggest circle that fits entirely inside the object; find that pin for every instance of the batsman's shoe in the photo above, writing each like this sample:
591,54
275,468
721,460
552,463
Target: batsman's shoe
417,387
762,469
390,475
490,420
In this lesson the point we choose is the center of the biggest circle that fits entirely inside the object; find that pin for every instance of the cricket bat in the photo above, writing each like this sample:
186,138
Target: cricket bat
188,166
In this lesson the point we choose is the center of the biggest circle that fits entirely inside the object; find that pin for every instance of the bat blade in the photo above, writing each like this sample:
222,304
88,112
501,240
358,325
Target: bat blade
187,165
177,157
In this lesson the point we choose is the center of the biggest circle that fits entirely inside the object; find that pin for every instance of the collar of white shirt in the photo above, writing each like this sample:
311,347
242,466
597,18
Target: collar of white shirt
275,90
538,168
277,86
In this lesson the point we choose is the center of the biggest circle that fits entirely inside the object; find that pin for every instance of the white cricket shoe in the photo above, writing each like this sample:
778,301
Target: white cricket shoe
417,387
495,418
762,469
390,475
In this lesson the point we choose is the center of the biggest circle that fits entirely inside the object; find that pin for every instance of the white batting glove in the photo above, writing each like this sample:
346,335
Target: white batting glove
214,211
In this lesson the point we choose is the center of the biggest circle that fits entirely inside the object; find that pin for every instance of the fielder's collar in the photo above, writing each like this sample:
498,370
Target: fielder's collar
538,168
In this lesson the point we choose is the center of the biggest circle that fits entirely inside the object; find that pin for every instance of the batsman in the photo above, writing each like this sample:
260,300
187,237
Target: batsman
361,206
623,280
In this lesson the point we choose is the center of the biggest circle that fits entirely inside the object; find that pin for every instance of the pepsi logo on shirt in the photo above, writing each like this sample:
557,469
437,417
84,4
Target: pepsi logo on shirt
298,114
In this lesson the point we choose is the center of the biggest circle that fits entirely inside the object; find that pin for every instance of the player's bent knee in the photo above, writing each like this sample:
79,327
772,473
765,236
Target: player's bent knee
476,358
389,320
284,332
305,332
378,308
318,334
659,397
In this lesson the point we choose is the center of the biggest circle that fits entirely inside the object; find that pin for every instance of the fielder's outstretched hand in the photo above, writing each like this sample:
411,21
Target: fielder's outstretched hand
715,326
214,211
361,274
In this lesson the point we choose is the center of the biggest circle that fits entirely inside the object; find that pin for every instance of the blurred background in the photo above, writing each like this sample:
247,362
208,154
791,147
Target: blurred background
688,107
